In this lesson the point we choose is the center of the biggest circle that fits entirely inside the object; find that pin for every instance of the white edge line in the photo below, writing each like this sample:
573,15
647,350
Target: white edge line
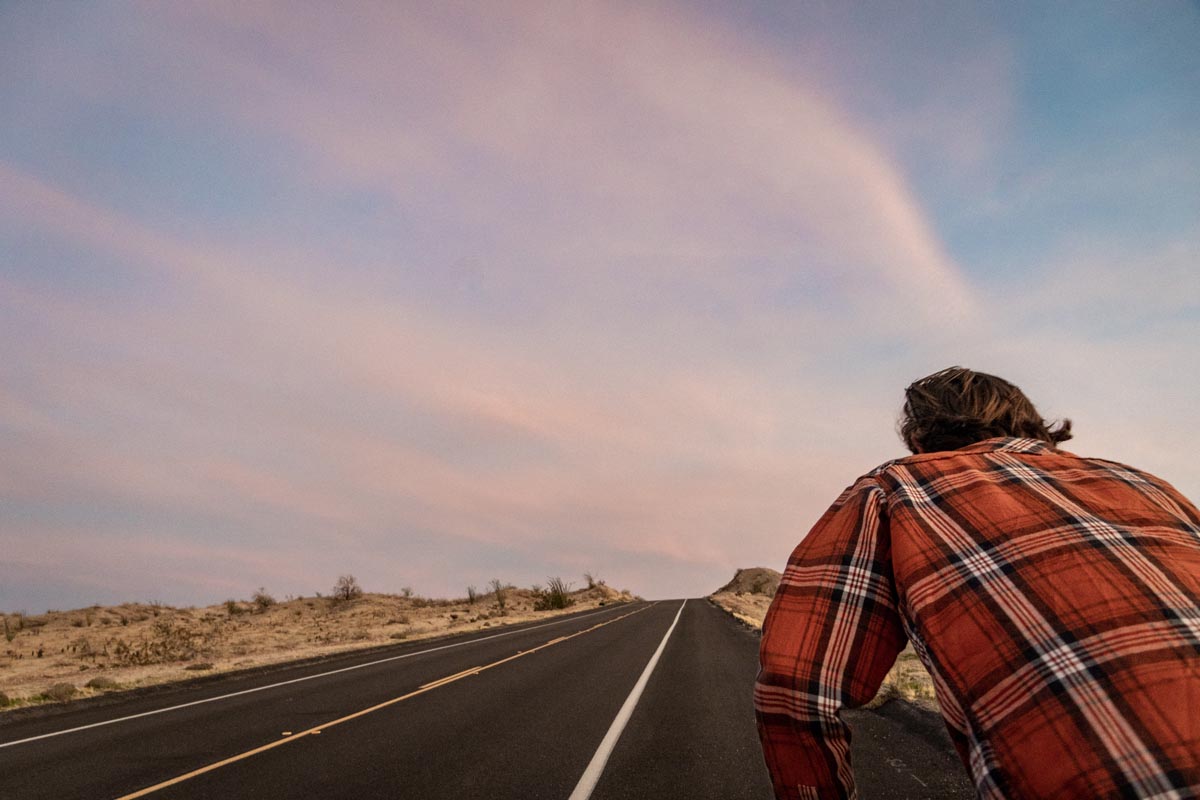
595,768
293,680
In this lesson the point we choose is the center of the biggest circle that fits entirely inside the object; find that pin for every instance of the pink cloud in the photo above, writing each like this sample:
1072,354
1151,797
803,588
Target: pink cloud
665,137
660,150
715,420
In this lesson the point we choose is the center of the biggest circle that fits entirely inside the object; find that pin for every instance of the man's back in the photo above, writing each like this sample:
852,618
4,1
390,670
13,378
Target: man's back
1056,601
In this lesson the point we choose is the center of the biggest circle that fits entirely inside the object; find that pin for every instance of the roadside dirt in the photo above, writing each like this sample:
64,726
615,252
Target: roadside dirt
66,655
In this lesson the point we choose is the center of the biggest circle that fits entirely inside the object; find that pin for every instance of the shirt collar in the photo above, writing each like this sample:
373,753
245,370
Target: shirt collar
1008,444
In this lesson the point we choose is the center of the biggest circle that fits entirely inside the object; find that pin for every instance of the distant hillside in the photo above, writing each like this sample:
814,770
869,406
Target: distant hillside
62,655
749,593
752,580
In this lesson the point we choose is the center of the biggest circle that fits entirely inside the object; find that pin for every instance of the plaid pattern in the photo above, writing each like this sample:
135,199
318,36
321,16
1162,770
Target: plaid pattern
1054,599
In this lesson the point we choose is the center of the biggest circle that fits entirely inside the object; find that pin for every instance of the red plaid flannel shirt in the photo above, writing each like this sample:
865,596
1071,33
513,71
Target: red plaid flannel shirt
1054,599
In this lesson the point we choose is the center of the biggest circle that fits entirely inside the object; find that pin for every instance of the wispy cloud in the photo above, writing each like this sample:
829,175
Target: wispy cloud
434,295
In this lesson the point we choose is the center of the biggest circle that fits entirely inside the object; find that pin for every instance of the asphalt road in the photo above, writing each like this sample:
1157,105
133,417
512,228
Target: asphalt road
517,713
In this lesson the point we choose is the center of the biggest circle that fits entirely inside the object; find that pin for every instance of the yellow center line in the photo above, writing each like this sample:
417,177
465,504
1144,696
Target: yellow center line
450,678
440,682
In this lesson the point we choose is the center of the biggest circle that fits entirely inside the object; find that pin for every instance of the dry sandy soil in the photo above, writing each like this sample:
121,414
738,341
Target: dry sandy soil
749,594
62,655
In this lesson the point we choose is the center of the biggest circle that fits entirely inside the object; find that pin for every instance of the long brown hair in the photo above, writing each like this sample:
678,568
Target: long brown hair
956,407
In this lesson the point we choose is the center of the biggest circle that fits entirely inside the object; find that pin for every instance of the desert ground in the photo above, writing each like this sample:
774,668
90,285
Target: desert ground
63,655
749,594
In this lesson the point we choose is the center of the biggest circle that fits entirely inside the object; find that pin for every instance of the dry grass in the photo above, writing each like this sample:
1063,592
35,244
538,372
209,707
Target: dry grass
907,679
749,608
140,644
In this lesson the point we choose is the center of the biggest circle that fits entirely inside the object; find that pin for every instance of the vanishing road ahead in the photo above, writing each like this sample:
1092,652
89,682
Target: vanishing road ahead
647,700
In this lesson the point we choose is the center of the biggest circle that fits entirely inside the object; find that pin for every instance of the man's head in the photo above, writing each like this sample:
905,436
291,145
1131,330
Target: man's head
957,407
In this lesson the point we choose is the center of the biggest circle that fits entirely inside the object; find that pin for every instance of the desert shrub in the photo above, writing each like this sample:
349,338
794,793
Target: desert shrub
592,580
60,692
167,642
233,608
557,595
101,682
498,591
10,630
406,591
263,600
906,680
83,647
4,700
398,635
472,595
346,588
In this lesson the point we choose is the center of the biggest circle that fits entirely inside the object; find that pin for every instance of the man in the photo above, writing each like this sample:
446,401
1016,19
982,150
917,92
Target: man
1055,601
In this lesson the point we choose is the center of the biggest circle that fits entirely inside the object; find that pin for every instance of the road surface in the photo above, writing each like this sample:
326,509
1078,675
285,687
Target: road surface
646,700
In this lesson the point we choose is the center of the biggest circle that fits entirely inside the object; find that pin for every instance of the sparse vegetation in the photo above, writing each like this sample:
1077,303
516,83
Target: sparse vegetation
262,600
60,692
472,595
144,644
346,588
167,642
557,595
906,680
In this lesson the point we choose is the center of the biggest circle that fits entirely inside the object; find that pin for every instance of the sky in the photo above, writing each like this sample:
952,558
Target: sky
439,293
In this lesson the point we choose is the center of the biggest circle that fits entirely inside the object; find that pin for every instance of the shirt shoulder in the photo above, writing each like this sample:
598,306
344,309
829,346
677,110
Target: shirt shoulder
947,460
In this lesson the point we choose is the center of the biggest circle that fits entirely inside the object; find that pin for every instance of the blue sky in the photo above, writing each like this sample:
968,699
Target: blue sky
436,294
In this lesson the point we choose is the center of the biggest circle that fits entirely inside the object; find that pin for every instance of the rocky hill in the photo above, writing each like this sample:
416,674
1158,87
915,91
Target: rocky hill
748,594
752,580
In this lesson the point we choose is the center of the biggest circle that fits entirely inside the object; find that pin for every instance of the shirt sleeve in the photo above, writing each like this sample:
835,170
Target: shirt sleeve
830,635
